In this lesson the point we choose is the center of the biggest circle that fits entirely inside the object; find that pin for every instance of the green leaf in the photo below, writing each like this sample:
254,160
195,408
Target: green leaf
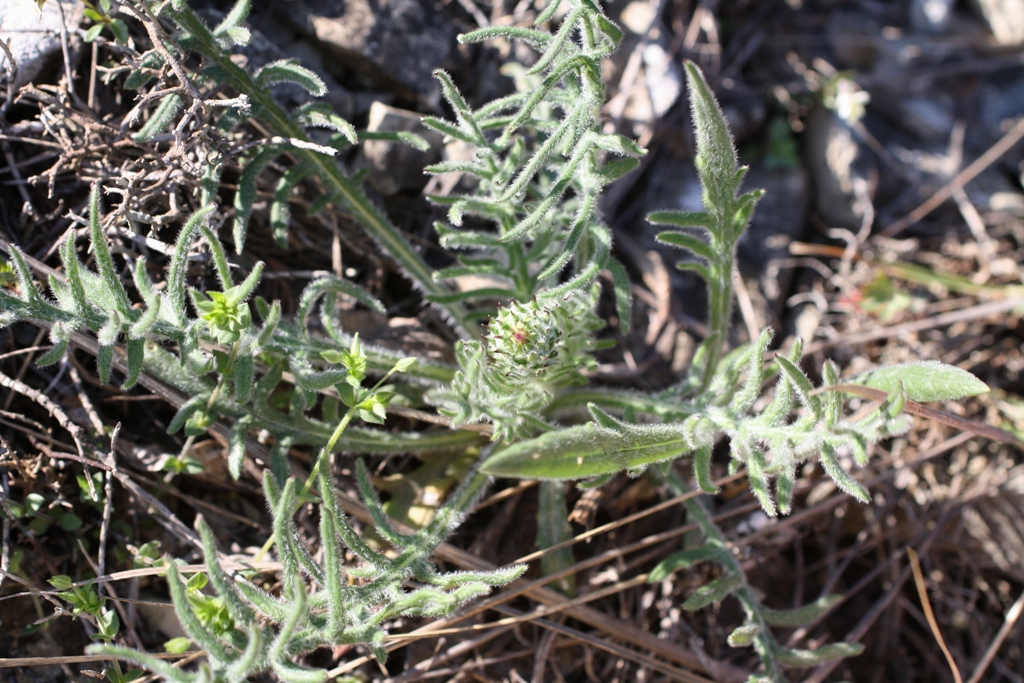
108,625
587,451
801,616
716,156
104,262
623,295
619,144
716,591
60,582
94,32
744,635
197,582
681,239
70,522
404,364
290,71
682,560
54,354
552,529
245,196
120,30
233,18
843,479
136,79
824,654
177,645
161,117
924,381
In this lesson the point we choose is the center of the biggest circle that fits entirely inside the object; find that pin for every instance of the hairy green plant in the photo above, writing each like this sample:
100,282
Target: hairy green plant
718,402
346,605
540,161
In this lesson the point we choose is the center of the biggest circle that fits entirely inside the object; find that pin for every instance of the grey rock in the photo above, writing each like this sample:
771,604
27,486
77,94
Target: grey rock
341,99
1000,106
1005,18
780,218
265,48
840,168
993,191
928,118
396,166
398,43
930,16
657,83
853,38
744,111
35,35
1001,102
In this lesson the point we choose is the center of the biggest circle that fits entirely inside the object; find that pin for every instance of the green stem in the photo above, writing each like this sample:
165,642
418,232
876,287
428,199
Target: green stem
764,642
325,453
719,308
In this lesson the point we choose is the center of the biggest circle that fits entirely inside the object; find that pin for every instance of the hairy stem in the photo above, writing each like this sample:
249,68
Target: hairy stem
763,643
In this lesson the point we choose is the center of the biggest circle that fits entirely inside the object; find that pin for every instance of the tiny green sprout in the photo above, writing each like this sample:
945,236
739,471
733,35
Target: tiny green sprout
101,15
146,554
90,488
353,359
8,278
61,582
176,646
212,612
226,313
83,599
107,625
196,583
184,464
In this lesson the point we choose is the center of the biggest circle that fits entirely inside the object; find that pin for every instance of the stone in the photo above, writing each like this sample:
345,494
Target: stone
397,43
780,218
659,72
840,167
993,191
1000,106
280,43
1005,18
928,118
930,16
853,38
397,166
34,35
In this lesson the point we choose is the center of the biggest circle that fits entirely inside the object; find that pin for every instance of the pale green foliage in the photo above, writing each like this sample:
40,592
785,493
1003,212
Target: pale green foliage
219,70
319,604
718,401
220,382
766,443
726,214
540,161
756,628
